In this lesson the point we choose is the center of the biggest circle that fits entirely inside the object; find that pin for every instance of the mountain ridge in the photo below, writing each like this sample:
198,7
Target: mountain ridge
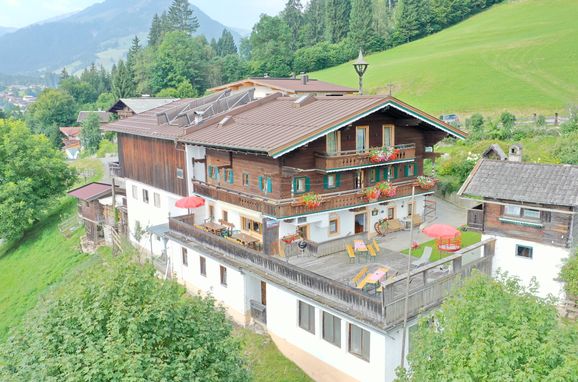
100,33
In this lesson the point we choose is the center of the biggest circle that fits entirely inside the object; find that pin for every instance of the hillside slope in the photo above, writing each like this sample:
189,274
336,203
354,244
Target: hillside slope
520,56
101,33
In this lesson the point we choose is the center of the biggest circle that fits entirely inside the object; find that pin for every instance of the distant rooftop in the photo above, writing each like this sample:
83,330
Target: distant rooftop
91,191
103,116
524,182
140,104
289,85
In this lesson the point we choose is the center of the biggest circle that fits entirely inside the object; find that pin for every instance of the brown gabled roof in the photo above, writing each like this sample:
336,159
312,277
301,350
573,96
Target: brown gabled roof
282,124
288,85
91,191
70,132
146,123
140,104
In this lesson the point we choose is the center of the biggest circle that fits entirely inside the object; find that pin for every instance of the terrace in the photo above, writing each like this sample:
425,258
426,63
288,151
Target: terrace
342,160
328,279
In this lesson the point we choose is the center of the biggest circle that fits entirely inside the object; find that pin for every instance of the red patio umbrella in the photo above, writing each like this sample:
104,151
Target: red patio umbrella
441,230
190,202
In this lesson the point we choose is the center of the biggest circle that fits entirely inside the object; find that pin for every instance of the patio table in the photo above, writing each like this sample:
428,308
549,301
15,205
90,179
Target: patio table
374,278
360,246
246,240
215,228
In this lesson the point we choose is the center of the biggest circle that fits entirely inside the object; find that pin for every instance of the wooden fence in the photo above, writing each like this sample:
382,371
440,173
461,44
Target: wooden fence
386,310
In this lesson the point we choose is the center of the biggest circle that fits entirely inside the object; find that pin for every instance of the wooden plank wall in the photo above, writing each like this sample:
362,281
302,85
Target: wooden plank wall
153,162
555,232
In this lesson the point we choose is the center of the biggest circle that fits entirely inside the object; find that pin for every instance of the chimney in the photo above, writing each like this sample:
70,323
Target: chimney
304,78
515,153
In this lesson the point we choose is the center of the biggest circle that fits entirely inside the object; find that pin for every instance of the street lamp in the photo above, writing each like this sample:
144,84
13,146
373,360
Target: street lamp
360,67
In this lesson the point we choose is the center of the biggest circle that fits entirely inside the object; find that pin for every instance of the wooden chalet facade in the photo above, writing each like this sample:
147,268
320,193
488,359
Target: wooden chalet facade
530,209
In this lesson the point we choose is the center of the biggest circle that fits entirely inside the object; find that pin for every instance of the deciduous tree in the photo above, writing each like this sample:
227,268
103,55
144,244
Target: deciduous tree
90,134
53,108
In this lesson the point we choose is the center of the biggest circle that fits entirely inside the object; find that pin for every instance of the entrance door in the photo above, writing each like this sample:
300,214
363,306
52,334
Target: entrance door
263,293
360,223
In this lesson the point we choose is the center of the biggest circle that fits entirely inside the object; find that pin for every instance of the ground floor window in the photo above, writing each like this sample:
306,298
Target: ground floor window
202,266
185,256
145,196
334,226
332,329
307,317
359,342
223,272
524,251
248,224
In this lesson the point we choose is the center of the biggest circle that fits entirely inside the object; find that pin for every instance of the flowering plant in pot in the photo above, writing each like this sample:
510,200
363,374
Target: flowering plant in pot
387,189
312,200
372,193
390,153
377,156
426,182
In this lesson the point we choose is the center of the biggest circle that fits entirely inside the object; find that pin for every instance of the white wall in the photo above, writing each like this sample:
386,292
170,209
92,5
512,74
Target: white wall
545,264
197,171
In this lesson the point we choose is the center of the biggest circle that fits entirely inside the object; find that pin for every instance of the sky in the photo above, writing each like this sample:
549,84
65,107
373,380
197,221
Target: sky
234,13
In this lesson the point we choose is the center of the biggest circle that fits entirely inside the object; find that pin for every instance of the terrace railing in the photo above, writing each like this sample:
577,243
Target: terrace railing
354,158
383,311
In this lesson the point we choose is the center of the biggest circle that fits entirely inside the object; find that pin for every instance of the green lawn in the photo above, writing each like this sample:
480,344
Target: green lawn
266,361
89,170
31,266
468,238
518,56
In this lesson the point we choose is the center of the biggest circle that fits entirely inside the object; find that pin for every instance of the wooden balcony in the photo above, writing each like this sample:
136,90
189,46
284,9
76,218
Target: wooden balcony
427,287
353,158
285,208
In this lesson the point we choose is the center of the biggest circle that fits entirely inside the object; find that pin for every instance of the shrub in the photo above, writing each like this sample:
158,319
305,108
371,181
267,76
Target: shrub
106,147
569,275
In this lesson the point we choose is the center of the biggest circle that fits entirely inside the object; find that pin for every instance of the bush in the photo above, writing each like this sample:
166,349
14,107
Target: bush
119,322
566,148
569,275
106,147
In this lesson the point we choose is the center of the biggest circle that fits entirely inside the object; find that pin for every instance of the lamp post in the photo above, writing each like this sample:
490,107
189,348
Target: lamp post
360,67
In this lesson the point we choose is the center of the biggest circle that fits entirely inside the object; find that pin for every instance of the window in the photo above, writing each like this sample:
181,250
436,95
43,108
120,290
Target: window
213,172
332,329
145,196
157,199
358,342
303,231
409,170
134,192
211,212
307,317
373,175
302,219
531,214
512,210
203,266
245,179
185,256
223,272
248,224
225,216
358,179
333,226
524,251
361,138
265,184
333,144
180,173
409,209
388,135
391,212
301,184
331,181
229,176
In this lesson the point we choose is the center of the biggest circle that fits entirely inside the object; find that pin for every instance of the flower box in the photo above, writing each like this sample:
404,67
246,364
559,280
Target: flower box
311,200
426,182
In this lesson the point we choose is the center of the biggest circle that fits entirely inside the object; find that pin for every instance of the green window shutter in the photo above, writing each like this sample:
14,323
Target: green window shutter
337,180
415,169
231,176
406,170
395,171
294,184
210,171
325,182
260,183
386,173
269,184
377,173
307,184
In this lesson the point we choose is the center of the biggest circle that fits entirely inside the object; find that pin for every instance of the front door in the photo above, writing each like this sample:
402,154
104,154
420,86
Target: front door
263,293
360,223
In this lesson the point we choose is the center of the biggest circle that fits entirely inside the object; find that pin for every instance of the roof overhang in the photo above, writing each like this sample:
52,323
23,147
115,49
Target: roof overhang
388,102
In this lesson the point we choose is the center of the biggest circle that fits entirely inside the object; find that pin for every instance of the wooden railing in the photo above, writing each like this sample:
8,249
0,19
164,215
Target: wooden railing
282,208
427,290
354,158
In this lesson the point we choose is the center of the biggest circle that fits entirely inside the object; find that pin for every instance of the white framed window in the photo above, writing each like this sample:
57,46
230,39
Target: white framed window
512,210
157,199
180,173
332,329
334,226
185,256
524,251
358,343
531,214
134,192
362,138
145,196
388,135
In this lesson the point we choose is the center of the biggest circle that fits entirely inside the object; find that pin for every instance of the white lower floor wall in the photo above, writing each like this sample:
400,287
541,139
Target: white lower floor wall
543,263
330,338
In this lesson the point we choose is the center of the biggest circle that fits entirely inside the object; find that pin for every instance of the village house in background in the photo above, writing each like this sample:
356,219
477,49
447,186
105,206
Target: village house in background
71,141
293,86
127,107
280,196
530,209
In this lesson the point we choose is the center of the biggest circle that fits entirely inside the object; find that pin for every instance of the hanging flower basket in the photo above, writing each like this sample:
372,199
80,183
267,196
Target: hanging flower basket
372,193
426,182
312,200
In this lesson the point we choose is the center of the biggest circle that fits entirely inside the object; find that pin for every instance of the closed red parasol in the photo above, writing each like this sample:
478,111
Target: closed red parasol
190,202
441,230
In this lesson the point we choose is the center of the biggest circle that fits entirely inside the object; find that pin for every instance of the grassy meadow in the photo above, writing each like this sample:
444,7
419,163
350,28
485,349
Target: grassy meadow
518,56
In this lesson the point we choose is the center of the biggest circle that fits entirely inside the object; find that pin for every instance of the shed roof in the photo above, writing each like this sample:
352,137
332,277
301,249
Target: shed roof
91,191
280,124
288,85
523,182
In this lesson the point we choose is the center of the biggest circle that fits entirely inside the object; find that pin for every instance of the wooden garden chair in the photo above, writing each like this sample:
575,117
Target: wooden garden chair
372,253
358,276
376,246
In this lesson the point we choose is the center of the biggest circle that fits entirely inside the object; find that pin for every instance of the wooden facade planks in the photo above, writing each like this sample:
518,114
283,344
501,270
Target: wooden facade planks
154,162
555,229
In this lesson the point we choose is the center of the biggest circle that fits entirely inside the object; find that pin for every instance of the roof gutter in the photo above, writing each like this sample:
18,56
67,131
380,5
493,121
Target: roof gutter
523,204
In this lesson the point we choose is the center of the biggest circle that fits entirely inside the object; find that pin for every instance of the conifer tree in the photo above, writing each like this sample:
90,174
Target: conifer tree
336,19
180,17
293,16
122,83
361,30
155,32
226,44
314,22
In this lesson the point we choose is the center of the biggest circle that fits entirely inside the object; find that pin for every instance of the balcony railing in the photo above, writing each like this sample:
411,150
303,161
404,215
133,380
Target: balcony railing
354,158
284,208
427,287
